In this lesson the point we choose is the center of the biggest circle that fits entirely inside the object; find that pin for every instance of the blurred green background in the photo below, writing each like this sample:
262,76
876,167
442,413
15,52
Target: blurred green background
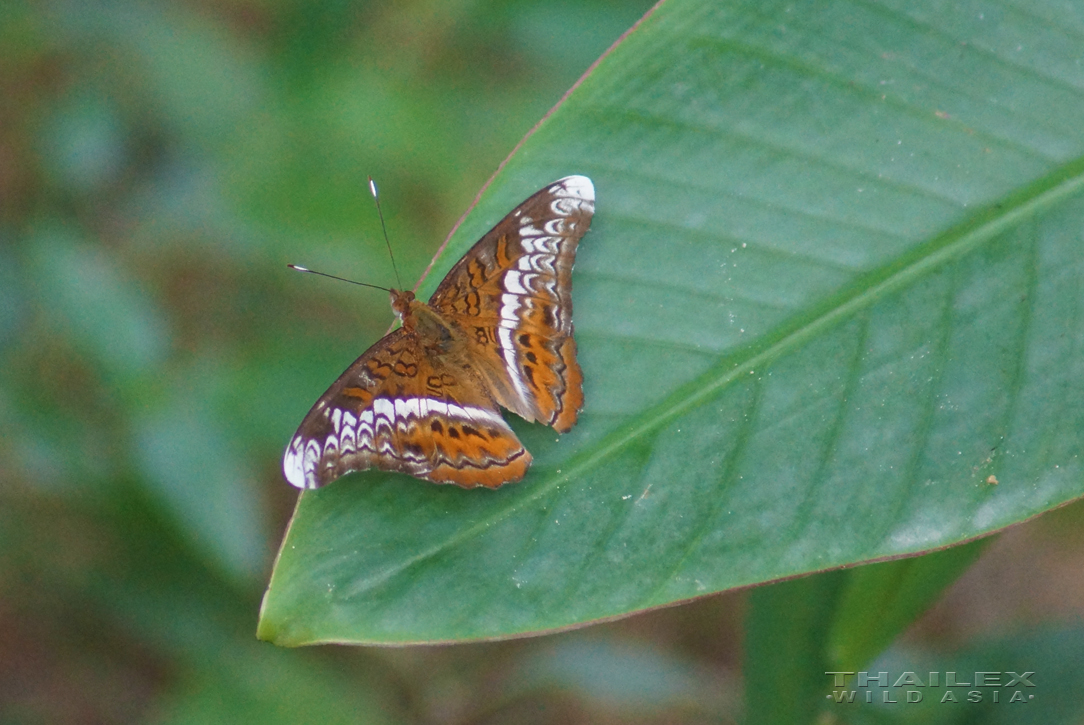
159,165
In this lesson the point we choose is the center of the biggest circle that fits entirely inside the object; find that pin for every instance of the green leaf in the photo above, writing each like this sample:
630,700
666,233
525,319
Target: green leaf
91,300
833,286
835,622
250,684
1028,677
191,470
786,634
879,601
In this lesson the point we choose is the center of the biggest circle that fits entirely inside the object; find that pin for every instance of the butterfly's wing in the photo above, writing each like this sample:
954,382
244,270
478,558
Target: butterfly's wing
395,411
512,296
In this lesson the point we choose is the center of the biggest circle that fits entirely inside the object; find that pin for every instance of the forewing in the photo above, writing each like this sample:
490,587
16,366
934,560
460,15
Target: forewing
512,295
392,410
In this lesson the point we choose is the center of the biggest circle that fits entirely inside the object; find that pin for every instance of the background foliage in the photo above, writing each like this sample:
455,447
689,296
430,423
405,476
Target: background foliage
159,165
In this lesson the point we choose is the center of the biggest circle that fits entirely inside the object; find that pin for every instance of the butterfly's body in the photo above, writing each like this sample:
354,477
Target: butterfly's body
497,331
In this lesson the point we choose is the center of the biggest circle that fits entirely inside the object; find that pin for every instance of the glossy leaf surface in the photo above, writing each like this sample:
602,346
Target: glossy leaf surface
830,311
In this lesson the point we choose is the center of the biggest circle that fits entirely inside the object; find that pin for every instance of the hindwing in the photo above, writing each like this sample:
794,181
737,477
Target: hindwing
394,410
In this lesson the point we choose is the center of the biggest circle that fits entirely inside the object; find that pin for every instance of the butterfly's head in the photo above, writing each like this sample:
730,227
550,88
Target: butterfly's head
400,302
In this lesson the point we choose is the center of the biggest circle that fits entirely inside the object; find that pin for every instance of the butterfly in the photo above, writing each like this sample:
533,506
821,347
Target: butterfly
497,332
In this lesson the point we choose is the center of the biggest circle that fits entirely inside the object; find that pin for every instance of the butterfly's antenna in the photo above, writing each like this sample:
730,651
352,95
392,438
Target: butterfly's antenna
331,276
376,198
